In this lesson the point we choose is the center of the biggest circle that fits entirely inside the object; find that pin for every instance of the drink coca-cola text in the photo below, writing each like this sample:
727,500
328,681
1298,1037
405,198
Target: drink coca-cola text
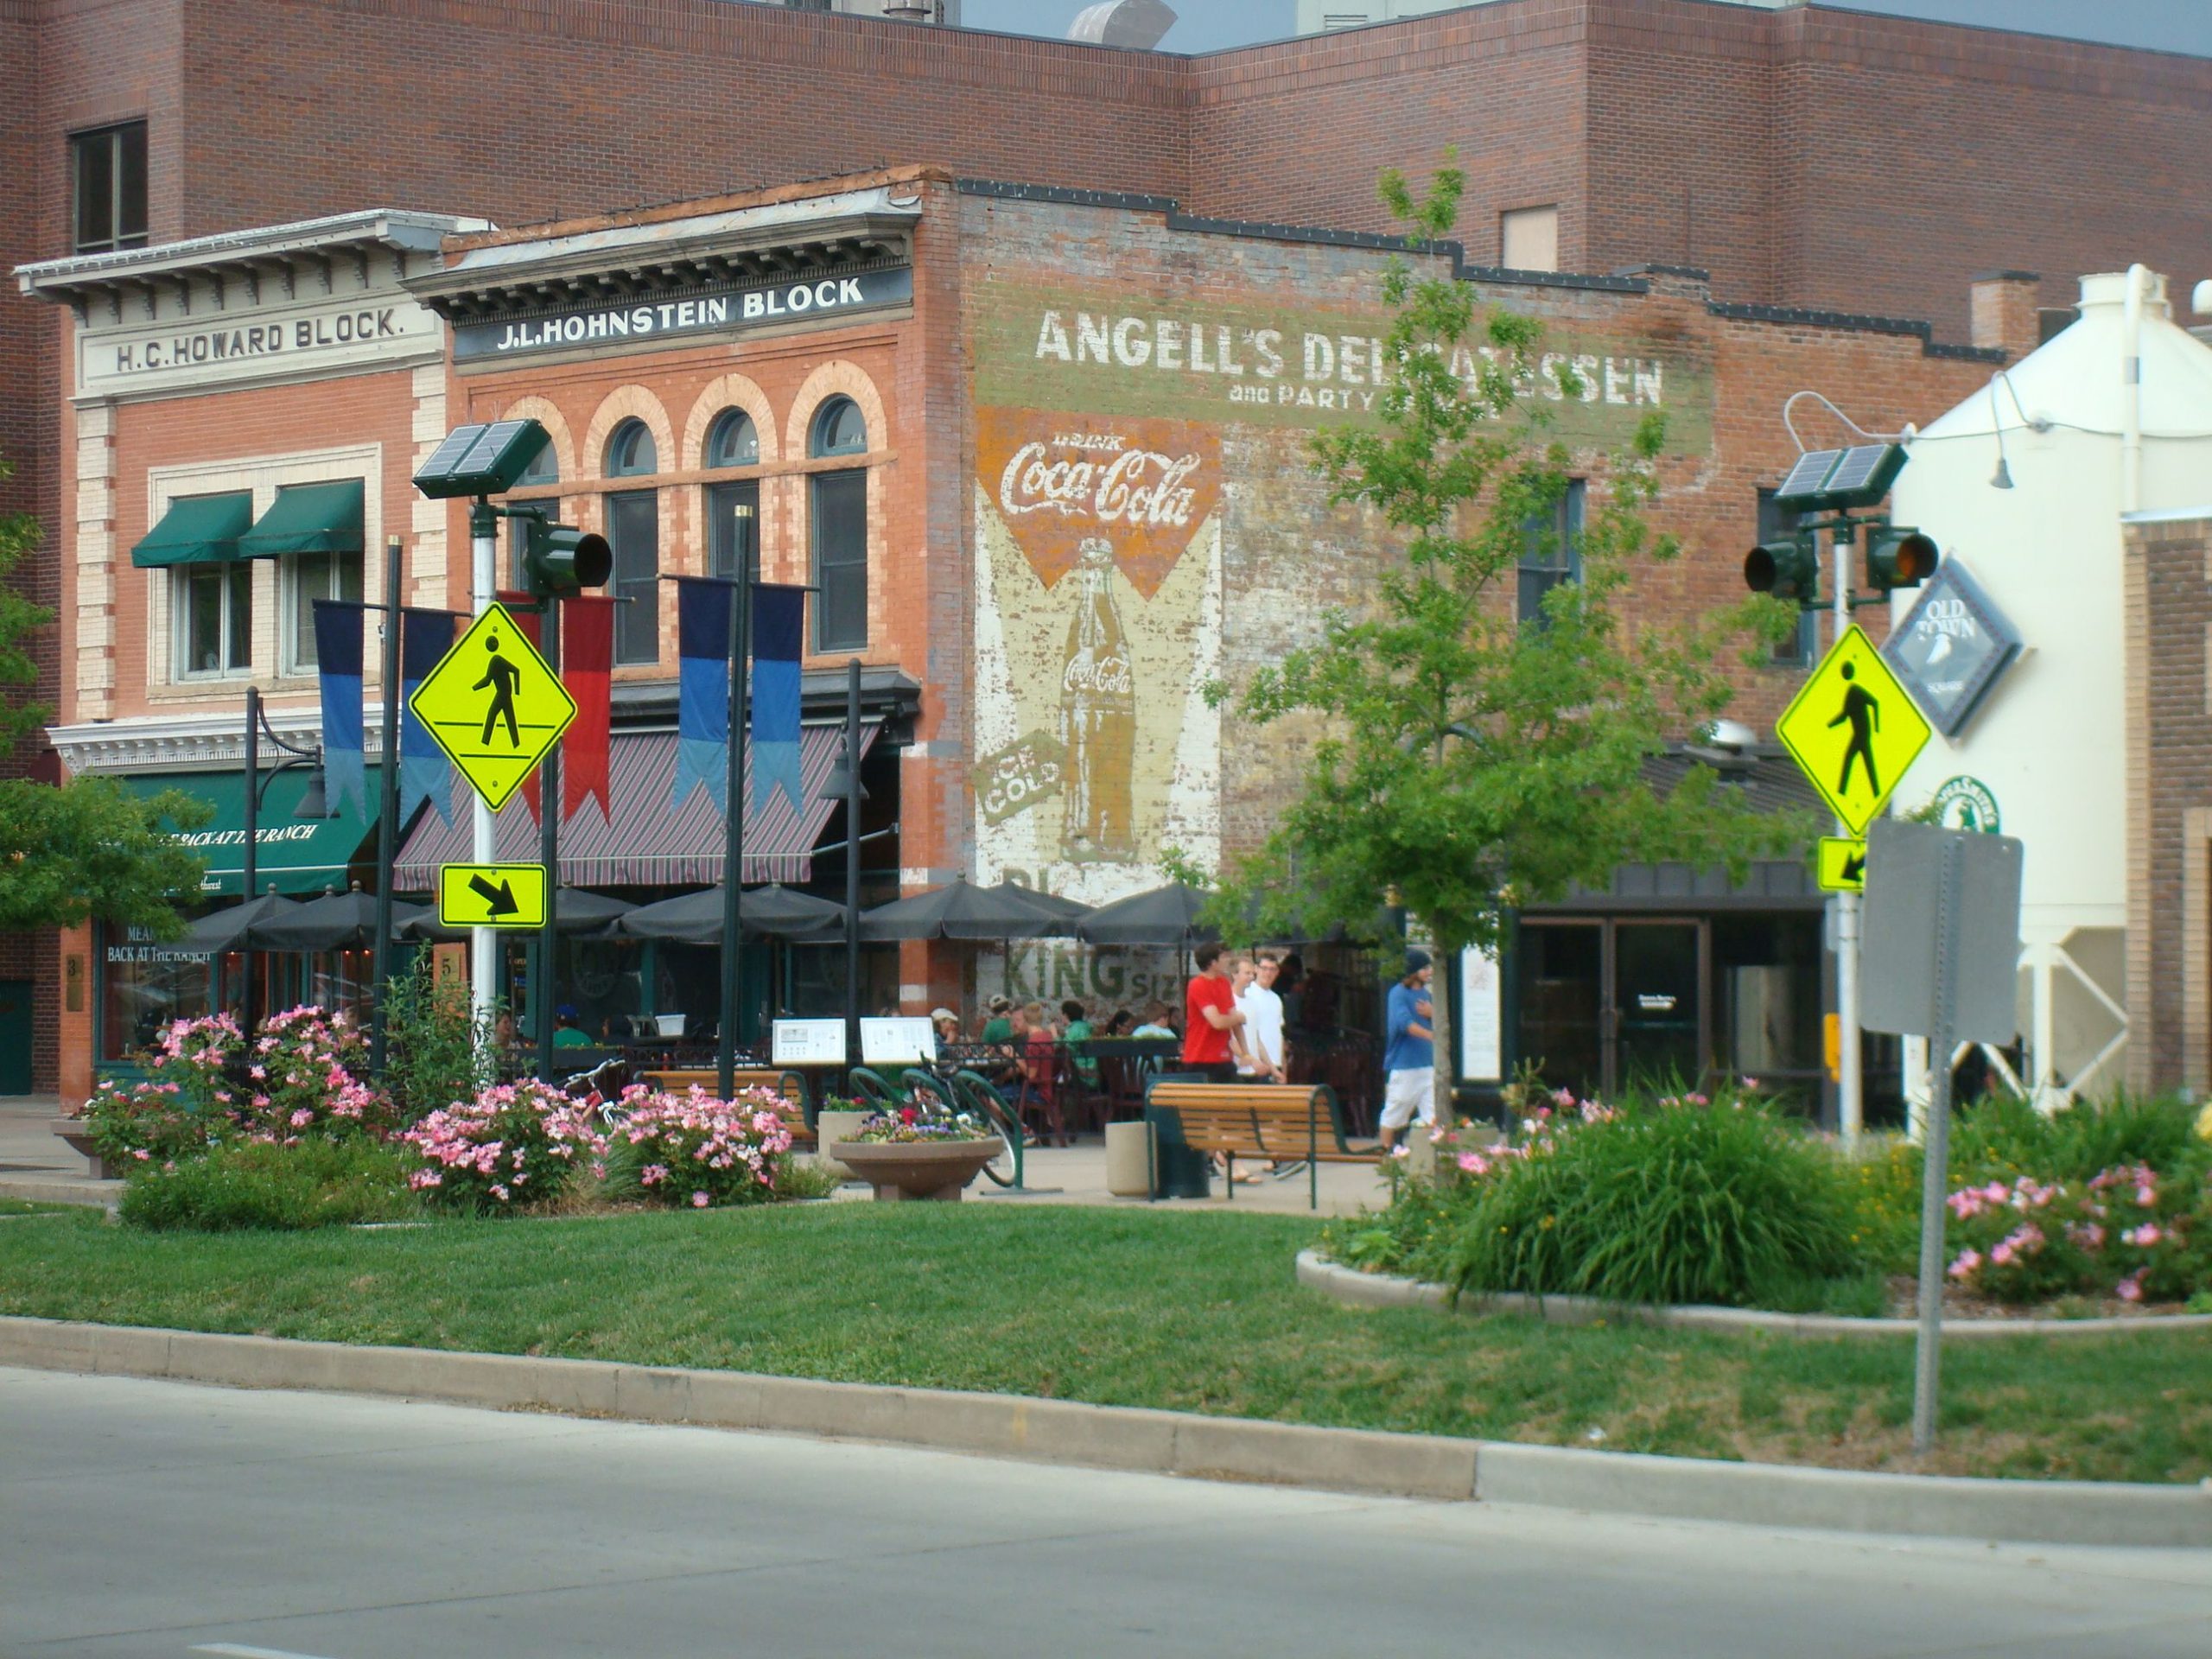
1140,488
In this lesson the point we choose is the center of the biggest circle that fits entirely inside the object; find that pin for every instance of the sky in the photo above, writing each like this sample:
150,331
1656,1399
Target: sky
1209,25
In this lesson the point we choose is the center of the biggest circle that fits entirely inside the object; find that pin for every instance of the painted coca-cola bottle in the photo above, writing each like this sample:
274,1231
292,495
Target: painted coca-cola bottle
1098,720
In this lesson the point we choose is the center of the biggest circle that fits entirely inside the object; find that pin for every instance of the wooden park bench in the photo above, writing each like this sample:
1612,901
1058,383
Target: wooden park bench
790,1084
1284,1123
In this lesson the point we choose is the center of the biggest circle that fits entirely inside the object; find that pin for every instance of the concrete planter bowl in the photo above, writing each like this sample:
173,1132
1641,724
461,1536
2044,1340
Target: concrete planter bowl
909,1170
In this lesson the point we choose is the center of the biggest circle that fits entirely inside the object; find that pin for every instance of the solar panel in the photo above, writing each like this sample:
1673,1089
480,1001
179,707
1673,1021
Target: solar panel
457,444
485,455
1857,468
1808,475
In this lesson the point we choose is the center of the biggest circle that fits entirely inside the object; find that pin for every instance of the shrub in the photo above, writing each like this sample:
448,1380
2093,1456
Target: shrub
436,1051
315,1184
2001,1135
513,1147
1683,1201
182,1107
2127,1232
303,1080
693,1149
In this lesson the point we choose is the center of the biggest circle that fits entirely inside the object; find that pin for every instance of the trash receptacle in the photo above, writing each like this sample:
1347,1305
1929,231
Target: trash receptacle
1178,1169
1128,1160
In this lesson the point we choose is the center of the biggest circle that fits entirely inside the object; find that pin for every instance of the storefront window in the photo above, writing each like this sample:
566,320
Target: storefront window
840,522
143,986
216,619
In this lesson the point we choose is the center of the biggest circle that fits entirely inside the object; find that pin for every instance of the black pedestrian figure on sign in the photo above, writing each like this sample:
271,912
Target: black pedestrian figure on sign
1864,713
502,677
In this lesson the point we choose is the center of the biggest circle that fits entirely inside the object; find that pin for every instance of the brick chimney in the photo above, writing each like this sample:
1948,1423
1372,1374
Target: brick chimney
2003,306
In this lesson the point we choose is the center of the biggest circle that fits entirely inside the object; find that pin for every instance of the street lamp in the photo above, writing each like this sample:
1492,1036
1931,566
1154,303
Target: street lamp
314,804
843,783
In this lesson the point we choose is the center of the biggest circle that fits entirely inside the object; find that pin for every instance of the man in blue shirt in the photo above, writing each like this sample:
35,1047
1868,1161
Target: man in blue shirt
1409,1051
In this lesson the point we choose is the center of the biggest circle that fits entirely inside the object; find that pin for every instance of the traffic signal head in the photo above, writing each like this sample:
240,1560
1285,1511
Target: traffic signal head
1789,570
562,561
1899,557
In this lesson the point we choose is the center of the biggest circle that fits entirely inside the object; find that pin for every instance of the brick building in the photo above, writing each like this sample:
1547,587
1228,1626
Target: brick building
1808,158
992,421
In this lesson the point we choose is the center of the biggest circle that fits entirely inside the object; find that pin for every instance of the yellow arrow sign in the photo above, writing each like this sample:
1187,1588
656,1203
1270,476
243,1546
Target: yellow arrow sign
1843,864
493,706
492,896
1853,729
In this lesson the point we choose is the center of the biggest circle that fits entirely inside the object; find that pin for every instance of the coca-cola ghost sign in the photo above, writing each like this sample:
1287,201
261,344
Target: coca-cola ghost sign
1058,481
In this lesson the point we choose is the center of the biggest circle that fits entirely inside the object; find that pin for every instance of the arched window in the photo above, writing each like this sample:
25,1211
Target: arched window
839,500
839,430
630,451
544,468
633,531
733,440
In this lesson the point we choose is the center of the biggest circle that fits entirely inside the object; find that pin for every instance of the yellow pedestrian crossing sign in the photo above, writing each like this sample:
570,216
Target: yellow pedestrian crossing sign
1853,729
493,706
492,896
1843,864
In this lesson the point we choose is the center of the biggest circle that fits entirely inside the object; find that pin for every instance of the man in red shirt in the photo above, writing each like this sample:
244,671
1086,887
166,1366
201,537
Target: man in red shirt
1210,1014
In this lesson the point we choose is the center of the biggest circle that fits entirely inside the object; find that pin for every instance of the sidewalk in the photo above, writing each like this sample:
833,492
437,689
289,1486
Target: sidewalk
36,1164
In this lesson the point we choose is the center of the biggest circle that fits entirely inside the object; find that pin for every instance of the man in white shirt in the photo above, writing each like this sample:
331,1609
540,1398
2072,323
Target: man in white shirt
1263,1029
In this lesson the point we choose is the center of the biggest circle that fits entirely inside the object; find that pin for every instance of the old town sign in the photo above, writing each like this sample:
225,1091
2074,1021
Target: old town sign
641,281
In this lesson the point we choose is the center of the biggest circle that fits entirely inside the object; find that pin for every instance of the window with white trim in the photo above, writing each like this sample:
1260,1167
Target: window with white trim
302,578
214,613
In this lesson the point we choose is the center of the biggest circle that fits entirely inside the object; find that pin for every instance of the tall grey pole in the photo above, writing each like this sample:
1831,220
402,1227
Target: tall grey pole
548,852
387,803
853,862
247,869
483,942
741,653
1850,1082
1935,1146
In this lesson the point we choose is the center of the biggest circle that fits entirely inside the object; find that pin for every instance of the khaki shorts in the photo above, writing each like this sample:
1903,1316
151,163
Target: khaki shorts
1408,1094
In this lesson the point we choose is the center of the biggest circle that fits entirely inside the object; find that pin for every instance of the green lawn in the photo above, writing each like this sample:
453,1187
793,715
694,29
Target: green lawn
1122,1307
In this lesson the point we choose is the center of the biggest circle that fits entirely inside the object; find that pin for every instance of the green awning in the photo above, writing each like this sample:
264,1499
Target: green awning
308,518
294,855
197,529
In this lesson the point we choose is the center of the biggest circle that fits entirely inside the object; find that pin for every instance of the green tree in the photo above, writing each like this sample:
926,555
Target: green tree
1467,762
87,849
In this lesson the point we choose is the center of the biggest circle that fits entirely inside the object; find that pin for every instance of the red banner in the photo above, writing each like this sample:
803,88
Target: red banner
587,669
528,621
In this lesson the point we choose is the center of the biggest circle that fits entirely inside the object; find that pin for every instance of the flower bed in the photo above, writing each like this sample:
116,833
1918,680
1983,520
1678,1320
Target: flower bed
690,1149
916,1124
1684,1199
514,1147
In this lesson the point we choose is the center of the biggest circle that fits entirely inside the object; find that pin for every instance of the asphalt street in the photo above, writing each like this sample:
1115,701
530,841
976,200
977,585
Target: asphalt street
162,1518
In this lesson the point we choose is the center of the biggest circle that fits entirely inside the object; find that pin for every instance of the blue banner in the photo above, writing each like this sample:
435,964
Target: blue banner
424,638
778,638
702,619
338,662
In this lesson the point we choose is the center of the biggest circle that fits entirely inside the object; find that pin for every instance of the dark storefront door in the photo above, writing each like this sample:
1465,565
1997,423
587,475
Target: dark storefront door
15,1037
1606,1004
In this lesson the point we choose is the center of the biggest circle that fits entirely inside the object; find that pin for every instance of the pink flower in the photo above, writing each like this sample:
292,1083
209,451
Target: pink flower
699,1200
1474,1163
1967,1264
2129,1289
2144,1236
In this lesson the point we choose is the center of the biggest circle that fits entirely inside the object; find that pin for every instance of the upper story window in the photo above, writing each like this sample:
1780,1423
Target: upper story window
839,430
733,440
630,451
1528,238
107,188
839,517
1551,551
543,470
215,624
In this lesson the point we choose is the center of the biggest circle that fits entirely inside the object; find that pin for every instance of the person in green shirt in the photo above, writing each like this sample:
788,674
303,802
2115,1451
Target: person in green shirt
1077,1034
567,1031
998,1028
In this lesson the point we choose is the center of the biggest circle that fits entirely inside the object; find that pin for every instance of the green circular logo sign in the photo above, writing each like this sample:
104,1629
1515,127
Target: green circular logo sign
1969,804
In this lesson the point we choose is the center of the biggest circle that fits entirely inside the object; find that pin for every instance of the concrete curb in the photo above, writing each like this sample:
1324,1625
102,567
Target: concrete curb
61,1190
1158,1442
1358,1289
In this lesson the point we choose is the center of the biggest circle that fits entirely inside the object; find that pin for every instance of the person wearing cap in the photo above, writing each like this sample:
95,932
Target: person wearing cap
998,1028
1408,1051
946,1024
568,1030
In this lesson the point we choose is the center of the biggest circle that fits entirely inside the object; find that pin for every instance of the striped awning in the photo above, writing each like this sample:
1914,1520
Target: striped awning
642,843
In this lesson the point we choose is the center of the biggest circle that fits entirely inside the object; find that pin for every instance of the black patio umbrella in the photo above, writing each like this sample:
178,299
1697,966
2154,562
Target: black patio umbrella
960,909
1067,910
337,921
1167,915
575,910
697,918
229,929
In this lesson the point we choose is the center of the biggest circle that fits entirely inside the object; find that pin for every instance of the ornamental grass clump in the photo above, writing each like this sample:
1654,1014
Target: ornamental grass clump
1685,1199
515,1147
693,1149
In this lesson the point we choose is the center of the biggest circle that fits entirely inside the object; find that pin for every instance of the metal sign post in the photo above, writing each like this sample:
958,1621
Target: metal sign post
1953,982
